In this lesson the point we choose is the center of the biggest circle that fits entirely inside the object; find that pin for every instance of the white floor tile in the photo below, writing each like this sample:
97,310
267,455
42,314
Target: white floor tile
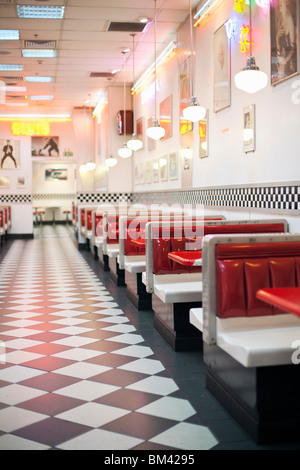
128,339
15,374
11,442
87,390
15,394
13,418
82,370
134,351
101,440
187,436
78,354
157,385
145,366
20,357
169,408
93,414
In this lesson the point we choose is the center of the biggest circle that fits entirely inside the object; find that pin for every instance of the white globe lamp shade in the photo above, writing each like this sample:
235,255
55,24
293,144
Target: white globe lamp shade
134,143
194,112
251,79
124,152
90,166
111,161
155,132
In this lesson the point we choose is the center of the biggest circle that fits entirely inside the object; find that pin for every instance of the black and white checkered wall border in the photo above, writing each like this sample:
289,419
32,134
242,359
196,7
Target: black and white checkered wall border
103,197
15,199
49,197
285,198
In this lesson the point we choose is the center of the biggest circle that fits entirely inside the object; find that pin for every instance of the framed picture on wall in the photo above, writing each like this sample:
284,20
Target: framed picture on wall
284,17
249,129
140,129
173,166
222,70
185,94
155,170
21,182
165,116
56,174
45,146
163,168
10,154
4,182
203,137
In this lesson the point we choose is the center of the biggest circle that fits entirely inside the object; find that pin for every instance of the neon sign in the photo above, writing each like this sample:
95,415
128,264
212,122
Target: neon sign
244,41
30,129
239,5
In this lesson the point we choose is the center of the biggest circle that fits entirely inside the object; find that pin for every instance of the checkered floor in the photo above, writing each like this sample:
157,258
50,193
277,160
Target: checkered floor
74,372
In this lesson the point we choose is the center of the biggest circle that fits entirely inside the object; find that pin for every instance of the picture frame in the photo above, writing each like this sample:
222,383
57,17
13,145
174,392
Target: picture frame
284,32
10,154
148,172
203,136
56,174
140,130
155,170
165,116
185,94
173,166
222,70
163,168
21,182
45,146
4,182
249,128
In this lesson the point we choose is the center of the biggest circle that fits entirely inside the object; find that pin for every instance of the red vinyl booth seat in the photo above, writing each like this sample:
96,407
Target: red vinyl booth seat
243,269
163,245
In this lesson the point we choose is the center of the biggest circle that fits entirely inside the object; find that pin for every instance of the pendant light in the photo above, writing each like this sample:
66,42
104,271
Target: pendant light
194,112
124,152
134,143
155,132
111,161
251,79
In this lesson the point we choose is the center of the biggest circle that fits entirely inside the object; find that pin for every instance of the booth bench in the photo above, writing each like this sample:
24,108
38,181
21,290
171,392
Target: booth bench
177,288
249,345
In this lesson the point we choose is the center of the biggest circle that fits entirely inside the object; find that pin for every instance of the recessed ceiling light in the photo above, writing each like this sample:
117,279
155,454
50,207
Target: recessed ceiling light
39,79
143,19
41,97
39,53
9,34
11,68
48,12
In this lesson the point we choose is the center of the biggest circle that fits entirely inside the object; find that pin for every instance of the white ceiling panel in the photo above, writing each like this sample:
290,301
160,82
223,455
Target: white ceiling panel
85,45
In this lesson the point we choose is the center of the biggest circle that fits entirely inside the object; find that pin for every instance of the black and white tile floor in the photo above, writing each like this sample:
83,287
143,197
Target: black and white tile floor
78,371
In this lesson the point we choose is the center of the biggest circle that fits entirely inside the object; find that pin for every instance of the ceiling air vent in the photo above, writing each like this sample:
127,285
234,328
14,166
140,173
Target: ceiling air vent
120,27
101,75
35,44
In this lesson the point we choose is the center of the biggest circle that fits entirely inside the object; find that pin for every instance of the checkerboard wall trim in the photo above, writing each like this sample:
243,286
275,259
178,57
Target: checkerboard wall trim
16,199
104,197
285,198
47,197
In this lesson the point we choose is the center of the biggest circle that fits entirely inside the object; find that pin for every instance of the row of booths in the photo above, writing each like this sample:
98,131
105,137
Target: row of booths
207,281
5,223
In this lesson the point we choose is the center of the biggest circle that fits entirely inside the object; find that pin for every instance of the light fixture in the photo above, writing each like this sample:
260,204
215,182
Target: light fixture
11,68
44,53
90,166
251,79
111,161
143,19
134,143
9,34
124,152
207,9
47,12
39,79
194,112
155,132
41,98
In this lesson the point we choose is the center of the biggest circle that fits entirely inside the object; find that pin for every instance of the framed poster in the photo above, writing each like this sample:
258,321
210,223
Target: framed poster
173,166
140,129
203,137
185,94
45,146
148,172
163,168
10,154
222,70
284,17
249,129
56,174
151,142
155,171
21,182
4,182
165,116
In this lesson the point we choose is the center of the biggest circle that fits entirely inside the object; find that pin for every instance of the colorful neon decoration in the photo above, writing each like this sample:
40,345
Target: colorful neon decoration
239,5
30,129
231,28
244,41
262,3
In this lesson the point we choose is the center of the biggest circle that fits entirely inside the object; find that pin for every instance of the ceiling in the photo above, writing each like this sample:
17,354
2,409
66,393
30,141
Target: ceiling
85,45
